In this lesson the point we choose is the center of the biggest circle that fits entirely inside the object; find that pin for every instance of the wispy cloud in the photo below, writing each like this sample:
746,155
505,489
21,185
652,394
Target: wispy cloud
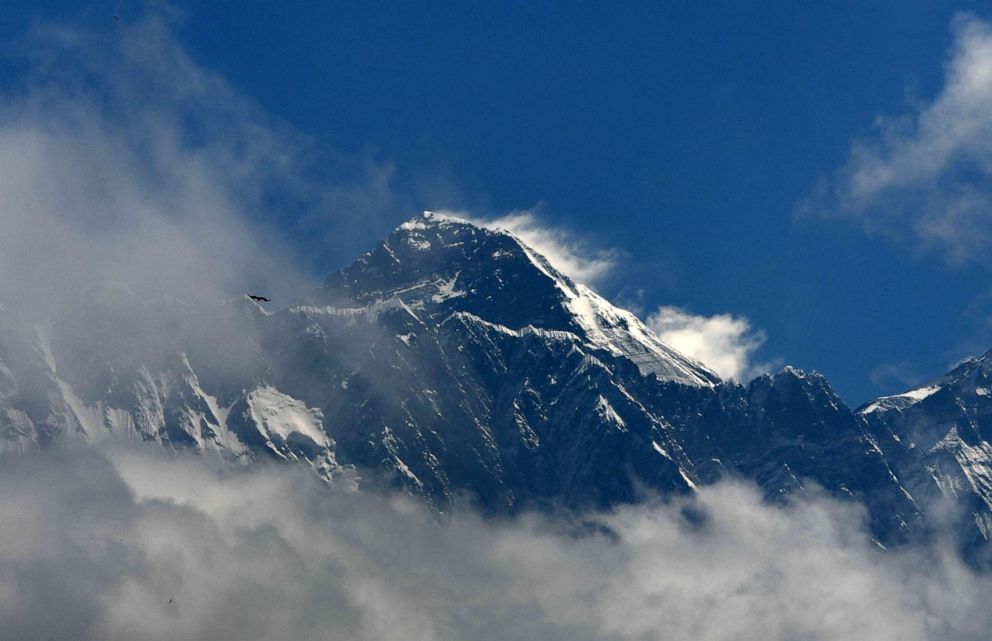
927,175
124,159
135,544
569,252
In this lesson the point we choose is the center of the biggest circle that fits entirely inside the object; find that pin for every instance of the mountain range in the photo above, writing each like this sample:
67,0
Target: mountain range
457,363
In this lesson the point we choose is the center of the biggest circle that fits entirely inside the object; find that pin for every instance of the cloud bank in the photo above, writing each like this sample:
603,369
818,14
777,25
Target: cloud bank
131,544
724,343
926,176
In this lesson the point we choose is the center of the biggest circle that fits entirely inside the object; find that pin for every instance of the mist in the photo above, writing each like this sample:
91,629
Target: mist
123,160
142,195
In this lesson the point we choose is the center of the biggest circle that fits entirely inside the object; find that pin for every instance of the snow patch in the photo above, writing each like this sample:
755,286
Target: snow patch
901,401
920,393
283,415
660,450
620,332
608,414
420,244
430,218
89,420
45,346
446,290
688,481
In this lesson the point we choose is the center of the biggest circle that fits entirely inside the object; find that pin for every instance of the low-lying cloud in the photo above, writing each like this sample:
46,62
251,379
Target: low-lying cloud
136,544
723,342
926,176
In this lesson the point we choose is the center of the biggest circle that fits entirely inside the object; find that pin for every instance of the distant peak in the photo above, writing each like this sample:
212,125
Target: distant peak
790,373
432,219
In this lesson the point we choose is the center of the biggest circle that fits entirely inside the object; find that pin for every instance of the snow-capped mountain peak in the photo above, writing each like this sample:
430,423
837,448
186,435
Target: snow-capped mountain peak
440,264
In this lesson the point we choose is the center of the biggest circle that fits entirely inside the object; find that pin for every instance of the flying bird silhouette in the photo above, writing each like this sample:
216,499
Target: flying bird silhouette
261,299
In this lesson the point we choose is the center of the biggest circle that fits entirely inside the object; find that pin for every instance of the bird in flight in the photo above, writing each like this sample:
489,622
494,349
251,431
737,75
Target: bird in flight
261,299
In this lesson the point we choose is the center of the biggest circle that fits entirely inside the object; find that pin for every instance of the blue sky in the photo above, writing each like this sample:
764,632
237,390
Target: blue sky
708,145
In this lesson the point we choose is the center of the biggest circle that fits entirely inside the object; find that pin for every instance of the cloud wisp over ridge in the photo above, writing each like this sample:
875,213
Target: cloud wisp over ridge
567,251
926,176
723,342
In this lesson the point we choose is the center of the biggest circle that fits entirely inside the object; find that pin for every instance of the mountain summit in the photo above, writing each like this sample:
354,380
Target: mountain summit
441,265
454,360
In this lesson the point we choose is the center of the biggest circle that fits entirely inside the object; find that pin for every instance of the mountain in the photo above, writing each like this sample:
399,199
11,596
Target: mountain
440,265
937,437
120,367
454,361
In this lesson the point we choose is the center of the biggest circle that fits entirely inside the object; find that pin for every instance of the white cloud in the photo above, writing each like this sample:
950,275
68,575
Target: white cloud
123,159
724,343
126,161
136,544
569,253
928,175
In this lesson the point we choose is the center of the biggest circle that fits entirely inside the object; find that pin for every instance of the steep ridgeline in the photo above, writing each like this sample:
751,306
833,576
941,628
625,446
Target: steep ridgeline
454,360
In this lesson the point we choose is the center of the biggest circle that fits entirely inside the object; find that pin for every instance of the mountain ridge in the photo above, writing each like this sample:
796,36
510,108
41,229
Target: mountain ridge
454,360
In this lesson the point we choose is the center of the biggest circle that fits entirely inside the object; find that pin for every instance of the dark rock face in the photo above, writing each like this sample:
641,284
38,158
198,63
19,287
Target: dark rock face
453,360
